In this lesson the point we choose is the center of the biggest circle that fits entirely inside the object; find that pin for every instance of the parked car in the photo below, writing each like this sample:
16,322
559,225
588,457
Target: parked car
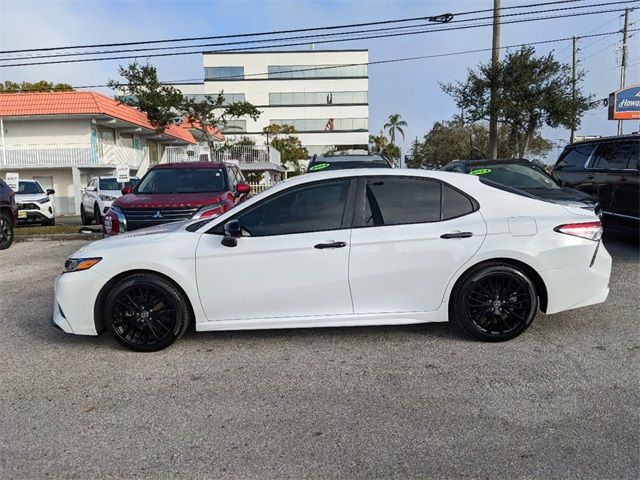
342,248
608,169
35,204
341,162
98,196
526,176
177,191
8,215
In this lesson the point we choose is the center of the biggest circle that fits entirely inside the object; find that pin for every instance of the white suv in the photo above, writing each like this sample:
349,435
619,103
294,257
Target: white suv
98,196
34,203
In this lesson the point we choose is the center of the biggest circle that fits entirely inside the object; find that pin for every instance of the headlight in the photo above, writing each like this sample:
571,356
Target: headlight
209,211
79,264
106,198
43,200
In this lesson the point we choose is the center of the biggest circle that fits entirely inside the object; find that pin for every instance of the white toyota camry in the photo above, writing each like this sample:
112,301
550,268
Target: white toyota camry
342,248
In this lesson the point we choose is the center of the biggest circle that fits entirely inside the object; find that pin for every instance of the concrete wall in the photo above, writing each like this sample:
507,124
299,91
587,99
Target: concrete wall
47,132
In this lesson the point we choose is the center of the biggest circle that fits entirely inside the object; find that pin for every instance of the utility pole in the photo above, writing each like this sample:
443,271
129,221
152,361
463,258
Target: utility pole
573,93
495,58
623,65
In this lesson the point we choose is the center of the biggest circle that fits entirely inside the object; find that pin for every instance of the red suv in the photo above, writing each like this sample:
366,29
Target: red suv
8,215
177,191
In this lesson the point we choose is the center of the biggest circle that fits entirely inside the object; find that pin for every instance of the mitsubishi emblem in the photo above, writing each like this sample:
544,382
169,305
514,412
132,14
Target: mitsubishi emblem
158,214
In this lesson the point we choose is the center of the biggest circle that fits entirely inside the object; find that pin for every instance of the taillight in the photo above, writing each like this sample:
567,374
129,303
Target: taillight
110,224
588,230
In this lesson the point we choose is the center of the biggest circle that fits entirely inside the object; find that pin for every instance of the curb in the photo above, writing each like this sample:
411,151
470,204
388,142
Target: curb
57,236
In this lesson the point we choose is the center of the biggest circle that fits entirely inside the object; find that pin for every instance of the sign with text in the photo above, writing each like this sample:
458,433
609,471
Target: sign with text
12,179
625,104
122,173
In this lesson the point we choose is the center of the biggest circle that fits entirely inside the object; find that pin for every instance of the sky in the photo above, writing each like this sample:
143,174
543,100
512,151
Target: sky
409,88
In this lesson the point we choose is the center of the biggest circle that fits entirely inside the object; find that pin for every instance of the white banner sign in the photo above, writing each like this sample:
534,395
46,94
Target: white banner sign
122,173
12,180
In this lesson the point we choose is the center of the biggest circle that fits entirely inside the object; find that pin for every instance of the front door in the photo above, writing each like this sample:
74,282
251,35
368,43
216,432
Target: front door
292,260
400,261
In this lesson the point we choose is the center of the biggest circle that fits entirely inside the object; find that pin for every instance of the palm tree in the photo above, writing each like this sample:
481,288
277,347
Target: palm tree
395,124
378,142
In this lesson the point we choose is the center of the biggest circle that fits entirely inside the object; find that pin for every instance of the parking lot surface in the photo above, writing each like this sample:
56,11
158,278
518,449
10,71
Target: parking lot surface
560,401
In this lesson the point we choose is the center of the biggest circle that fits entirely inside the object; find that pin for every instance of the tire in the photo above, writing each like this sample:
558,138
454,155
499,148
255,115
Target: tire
97,216
6,231
48,223
146,313
494,302
83,216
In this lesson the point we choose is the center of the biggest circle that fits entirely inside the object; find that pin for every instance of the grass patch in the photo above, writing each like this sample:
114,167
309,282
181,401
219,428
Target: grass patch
48,230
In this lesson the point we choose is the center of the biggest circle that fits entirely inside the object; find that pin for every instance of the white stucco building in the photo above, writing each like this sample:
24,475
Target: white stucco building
323,94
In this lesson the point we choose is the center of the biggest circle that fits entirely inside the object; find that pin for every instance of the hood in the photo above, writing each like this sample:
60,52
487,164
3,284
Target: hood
29,197
562,195
145,235
111,193
169,200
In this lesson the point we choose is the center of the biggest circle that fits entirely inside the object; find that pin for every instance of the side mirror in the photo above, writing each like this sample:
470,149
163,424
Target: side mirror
243,188
83,189
90,189
127,190
50,191
232,231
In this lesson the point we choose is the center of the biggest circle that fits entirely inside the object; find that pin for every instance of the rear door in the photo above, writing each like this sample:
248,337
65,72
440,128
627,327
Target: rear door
626,204
571,168
411,234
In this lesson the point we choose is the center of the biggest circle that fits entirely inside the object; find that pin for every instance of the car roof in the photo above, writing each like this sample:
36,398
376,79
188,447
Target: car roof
628,136
349,158
506,161
27,180
190,165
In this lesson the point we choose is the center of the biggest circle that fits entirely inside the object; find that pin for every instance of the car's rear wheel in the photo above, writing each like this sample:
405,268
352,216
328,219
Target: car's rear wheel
146,313
494,302
6,231
83,216
50,222
97,216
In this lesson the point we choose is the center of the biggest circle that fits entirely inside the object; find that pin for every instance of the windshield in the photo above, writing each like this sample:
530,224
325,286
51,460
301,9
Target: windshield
29,187
182,180
111,184
342,165
515,175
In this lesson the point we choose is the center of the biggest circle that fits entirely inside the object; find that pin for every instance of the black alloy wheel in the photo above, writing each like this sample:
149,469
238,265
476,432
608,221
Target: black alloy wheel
6,231
145,312
495,302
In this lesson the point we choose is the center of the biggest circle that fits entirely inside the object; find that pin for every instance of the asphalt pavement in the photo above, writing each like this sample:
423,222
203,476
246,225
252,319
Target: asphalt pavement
560,401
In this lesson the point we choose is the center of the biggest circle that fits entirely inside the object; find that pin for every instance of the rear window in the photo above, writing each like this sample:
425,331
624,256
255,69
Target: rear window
342,163
574,157
616,155
515,175
182,180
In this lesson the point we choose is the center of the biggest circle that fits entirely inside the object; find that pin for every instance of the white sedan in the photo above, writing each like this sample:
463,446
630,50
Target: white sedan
342,248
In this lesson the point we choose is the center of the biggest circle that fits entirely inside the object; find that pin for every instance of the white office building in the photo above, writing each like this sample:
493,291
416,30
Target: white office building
323,94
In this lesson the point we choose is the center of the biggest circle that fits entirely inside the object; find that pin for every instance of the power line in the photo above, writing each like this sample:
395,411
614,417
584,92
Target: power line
177,47
404,59
462,27
279,32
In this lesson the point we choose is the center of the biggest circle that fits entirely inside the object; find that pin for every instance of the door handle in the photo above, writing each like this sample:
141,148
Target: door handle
590,177
622,179
457,235
321,246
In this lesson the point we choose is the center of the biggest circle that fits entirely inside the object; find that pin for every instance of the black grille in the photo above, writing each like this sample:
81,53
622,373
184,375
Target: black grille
148,217
28,206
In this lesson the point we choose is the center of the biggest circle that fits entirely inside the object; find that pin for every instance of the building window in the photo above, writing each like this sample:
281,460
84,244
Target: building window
316,71
228,97
325,124
318,98
235,126
224,73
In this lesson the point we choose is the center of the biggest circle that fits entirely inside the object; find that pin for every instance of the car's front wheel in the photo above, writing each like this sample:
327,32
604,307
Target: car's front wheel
6,231
83,216
146,312
494,302
97,216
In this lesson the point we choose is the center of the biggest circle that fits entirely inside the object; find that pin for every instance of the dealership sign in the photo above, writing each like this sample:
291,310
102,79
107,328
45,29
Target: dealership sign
625,104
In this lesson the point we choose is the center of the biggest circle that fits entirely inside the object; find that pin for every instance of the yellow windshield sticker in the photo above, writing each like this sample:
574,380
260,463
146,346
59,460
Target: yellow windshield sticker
480,171
319,166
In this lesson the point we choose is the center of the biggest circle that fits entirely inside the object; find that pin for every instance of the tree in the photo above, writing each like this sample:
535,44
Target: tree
284,139
41,86
532,92
456,140
377,143
417,157
395,124
165,105
392,152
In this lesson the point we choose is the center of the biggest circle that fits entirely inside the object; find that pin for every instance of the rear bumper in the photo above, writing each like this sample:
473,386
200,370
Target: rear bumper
575,287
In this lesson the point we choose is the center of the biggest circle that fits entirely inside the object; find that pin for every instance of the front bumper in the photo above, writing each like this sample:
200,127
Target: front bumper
75,296
579,286
28,216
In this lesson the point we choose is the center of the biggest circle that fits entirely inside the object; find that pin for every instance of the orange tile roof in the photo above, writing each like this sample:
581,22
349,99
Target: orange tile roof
79,103
188,124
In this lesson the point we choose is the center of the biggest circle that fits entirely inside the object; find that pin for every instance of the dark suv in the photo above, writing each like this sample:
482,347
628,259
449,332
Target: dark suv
172,192
341,162
8,215
608,169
